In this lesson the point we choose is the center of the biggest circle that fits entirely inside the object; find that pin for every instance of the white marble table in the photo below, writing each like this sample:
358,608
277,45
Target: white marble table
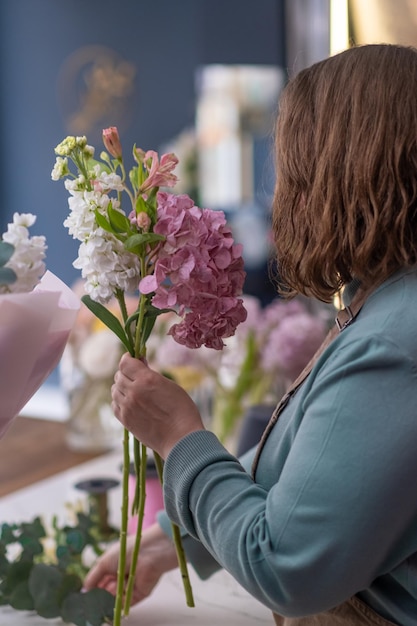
219,601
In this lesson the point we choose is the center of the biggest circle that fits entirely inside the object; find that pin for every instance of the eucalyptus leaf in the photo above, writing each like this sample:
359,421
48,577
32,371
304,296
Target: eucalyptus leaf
7,534
6,252
44,584
31,546
70,584
21,599
110,320
17,572
63,554
34,528
92,608
7,276
4,565
76,541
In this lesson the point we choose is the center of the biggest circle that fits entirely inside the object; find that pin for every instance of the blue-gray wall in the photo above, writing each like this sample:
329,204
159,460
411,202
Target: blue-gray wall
163,40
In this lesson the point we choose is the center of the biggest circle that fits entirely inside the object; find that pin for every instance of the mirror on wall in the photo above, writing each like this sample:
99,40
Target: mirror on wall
234,110
383,21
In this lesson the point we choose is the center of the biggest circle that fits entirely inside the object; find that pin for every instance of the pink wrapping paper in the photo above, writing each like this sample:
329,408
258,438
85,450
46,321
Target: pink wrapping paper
34,328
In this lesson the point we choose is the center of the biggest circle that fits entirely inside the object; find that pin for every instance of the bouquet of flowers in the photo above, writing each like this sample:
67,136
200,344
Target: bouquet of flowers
178,256
37,312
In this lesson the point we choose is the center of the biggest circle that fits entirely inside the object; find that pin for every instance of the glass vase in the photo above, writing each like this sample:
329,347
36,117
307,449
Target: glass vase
91,424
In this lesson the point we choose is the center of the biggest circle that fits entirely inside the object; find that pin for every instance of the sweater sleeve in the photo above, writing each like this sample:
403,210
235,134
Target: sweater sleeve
204,564
343,509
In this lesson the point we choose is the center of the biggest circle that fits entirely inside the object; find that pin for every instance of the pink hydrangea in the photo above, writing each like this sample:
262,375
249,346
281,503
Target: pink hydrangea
293,342
199,272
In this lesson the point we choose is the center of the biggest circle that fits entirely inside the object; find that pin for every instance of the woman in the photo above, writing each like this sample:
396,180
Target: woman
324,530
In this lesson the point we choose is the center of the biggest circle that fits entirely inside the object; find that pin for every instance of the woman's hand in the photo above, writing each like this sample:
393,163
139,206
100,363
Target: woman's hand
157,411
157,556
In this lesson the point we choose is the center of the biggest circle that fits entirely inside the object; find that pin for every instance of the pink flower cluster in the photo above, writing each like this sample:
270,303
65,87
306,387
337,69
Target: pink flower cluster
294,335
198,272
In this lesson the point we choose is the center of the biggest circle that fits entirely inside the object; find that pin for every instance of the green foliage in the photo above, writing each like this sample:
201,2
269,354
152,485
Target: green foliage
110,320
30,582
137,243
88,609
7,275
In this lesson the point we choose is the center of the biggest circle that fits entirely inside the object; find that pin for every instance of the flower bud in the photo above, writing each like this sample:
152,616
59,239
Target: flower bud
111,142
143,221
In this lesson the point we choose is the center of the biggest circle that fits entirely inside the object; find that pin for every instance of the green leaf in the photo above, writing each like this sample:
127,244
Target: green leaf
141,205
135,243
21,599
7,533
103,167
6,252
18,572
4,565
118,220
31,546
153,310
70,584
34,528
103,222
45,583
148,324
76,541
7,276
88,609
63,555
110,320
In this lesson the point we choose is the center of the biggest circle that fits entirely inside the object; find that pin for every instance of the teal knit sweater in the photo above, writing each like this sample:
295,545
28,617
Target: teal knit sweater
332,511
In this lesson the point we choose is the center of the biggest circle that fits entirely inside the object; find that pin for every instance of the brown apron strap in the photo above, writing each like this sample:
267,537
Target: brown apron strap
343,319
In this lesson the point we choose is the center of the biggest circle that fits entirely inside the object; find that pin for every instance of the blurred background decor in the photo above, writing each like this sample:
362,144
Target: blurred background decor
87,370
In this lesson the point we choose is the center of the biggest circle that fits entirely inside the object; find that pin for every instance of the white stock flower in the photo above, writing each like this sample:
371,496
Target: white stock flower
60,168
27,259
106,266
106,181
81,219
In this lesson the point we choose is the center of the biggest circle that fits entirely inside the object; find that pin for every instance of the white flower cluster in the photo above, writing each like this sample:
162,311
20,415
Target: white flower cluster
104,263
27,258
100,354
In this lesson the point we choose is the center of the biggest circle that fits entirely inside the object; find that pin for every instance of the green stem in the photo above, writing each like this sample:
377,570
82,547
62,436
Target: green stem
137,464
120,297
176,534
123,532
140,349
141,512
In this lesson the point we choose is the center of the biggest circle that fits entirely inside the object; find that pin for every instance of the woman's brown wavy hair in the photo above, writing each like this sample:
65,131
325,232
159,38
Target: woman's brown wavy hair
345,201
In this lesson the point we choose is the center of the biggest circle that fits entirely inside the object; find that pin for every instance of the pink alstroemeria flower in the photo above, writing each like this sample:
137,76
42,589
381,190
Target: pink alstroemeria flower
159,170
111,142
